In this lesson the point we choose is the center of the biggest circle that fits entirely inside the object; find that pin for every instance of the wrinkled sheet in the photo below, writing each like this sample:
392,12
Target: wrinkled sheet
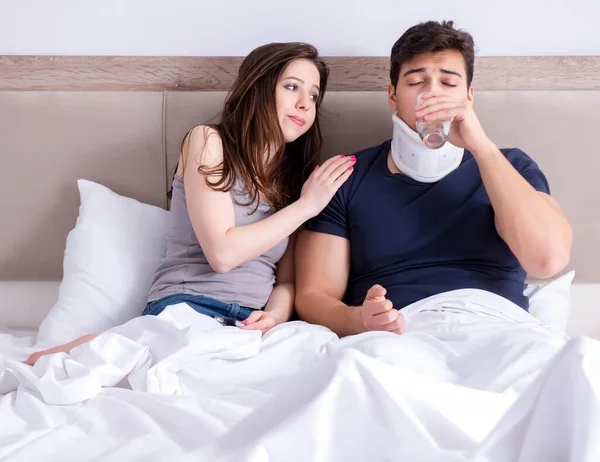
474,378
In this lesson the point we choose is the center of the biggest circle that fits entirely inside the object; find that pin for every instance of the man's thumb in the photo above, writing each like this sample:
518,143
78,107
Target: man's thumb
375,293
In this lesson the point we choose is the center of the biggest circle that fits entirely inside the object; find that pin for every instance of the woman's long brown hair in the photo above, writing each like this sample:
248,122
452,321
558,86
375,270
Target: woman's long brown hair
249,128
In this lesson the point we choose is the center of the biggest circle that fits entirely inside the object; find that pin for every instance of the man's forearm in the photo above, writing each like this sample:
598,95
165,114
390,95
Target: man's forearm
530,222
320,308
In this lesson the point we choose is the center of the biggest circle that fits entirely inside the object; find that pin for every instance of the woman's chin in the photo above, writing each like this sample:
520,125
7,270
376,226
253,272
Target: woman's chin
292,135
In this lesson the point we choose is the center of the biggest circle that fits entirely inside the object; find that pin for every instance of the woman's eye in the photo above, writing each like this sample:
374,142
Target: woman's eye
314,97
292,87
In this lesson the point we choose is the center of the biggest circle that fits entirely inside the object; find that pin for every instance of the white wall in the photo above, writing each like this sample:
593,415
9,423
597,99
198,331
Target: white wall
336,27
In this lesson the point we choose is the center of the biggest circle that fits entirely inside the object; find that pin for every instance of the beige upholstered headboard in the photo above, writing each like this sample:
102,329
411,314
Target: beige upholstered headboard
126,134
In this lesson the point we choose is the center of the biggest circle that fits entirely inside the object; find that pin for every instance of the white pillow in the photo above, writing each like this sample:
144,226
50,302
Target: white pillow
550,302
110,259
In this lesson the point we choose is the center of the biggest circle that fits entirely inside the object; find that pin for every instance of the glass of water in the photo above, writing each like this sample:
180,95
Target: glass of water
433,133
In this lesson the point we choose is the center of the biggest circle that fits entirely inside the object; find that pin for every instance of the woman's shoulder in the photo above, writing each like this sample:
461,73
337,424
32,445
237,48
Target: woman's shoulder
203,145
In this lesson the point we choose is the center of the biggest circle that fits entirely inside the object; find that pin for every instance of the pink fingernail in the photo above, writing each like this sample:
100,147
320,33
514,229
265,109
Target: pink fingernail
316,167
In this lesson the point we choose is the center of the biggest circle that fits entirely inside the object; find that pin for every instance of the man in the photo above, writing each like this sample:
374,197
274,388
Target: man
412,222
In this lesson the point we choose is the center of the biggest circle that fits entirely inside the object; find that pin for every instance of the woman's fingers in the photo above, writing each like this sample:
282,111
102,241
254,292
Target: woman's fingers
330,165
254,317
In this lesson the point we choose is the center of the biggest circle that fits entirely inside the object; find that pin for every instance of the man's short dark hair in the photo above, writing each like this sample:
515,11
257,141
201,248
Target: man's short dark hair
431,37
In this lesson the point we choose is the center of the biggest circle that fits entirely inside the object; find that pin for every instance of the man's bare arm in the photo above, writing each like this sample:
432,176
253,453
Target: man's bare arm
322,270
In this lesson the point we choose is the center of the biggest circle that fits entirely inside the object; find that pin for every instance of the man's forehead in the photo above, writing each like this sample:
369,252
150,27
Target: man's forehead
450,61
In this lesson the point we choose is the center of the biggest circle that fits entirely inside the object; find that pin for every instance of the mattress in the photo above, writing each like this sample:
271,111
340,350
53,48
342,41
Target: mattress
24,304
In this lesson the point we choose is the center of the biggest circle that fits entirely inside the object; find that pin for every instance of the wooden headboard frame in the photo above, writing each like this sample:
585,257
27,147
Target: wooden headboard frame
125,73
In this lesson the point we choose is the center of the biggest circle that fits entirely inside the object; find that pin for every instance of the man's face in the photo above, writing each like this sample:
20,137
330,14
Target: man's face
444,70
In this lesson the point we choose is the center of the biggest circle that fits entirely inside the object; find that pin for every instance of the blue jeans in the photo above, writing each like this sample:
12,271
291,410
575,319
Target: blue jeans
201,304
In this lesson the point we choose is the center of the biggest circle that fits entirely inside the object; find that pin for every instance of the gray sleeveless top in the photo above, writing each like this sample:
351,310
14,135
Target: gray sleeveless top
185,270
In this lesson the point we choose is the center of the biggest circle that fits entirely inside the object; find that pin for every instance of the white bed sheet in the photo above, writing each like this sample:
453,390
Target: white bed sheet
474,378
16,343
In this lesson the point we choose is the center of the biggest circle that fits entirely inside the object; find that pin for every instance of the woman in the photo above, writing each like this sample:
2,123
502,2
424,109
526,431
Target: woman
242,187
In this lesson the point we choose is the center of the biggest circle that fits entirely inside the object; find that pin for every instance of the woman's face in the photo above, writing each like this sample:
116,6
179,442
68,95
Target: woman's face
296,98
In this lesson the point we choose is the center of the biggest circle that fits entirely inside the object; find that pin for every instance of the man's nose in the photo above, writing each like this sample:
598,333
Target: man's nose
432,85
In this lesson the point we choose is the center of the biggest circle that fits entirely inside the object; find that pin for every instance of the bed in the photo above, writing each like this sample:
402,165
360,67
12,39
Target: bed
112,402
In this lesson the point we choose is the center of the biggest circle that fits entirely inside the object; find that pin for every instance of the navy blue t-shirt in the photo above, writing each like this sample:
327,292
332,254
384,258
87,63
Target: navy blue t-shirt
421,239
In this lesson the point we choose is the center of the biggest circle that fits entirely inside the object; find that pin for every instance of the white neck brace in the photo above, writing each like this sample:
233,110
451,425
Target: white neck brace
416,160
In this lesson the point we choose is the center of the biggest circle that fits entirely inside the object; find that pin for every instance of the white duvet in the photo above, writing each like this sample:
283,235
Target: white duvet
474,378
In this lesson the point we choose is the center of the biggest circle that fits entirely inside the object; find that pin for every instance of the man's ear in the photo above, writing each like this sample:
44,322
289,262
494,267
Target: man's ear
392,97
471,93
